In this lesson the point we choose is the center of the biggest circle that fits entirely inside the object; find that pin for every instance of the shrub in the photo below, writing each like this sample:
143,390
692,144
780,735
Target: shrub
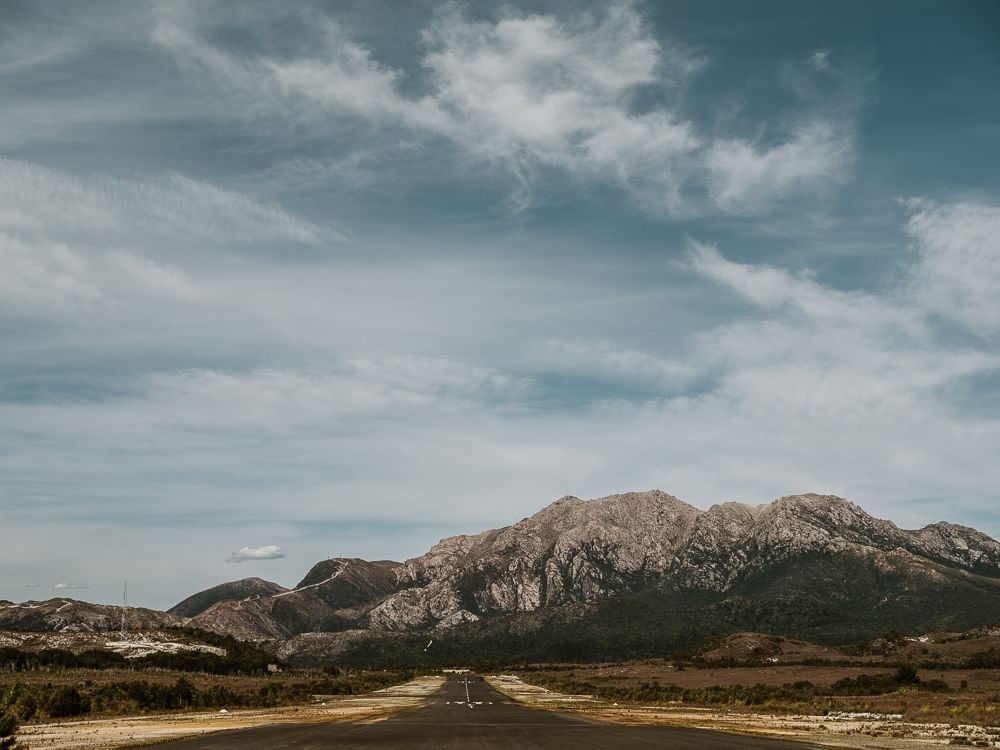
906,675
65,701
8,727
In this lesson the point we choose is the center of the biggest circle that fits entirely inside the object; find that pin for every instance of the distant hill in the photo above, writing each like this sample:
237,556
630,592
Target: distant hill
335,594
70,615
245,588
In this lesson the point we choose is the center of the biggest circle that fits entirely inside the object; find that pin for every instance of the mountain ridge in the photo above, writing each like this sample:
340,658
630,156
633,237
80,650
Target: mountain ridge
637,572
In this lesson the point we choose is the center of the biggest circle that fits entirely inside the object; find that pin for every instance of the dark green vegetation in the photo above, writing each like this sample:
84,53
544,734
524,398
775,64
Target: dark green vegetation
821,598
55,684
824,599
904,678
34,700
8,726
242,589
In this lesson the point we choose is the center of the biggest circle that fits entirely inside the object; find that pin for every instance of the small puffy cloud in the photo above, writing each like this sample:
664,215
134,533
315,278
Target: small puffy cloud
62,586
820,59
267,552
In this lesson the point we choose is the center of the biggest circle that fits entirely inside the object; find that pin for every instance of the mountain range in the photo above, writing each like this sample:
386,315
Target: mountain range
636,574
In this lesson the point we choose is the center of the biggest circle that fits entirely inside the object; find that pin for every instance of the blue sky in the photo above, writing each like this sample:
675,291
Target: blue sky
282,282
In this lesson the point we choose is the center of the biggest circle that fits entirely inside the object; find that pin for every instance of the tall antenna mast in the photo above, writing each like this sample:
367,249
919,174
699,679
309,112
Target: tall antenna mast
125,609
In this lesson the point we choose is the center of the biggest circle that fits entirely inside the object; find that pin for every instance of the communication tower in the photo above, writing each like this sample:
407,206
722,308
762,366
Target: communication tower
125,609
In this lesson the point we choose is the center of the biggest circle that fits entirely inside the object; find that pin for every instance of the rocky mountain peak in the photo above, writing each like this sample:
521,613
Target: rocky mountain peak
809,558
960,545
577,550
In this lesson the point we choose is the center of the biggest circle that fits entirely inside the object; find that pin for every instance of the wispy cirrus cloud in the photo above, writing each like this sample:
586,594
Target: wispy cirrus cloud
40,201
81,247
748,179
828,353
530,92
957,273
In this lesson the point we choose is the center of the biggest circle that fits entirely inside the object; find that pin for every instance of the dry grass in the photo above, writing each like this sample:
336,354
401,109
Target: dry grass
869,723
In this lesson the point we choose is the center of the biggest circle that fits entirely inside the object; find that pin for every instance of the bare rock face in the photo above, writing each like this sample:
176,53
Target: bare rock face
571,551
577,551
958,545
436,605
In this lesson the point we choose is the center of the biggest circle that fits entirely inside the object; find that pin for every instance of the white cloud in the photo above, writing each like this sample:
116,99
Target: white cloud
820,59
526,91
557,93
78,249
267,552
46,279
36,200
747,179
606,360
276,401
776,288
957,274
804,380
529,91
828,353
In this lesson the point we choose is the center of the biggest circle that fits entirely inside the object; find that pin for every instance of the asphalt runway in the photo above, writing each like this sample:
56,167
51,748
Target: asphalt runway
467,714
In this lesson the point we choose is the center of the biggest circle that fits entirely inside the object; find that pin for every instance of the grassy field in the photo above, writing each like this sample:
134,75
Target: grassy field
949,696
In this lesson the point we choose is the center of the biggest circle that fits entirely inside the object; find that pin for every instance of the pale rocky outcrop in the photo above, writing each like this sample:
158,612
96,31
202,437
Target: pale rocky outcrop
580,551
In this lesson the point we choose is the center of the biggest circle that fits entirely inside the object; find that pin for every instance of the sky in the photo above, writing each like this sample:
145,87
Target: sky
286,281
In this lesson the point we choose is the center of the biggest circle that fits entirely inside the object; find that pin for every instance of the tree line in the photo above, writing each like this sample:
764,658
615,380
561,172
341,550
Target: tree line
40,702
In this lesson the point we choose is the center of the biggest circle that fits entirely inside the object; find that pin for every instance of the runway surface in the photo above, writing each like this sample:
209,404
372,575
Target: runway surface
467,713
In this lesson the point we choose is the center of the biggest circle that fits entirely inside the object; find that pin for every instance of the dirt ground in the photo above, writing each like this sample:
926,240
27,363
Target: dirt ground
849,729
112,734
